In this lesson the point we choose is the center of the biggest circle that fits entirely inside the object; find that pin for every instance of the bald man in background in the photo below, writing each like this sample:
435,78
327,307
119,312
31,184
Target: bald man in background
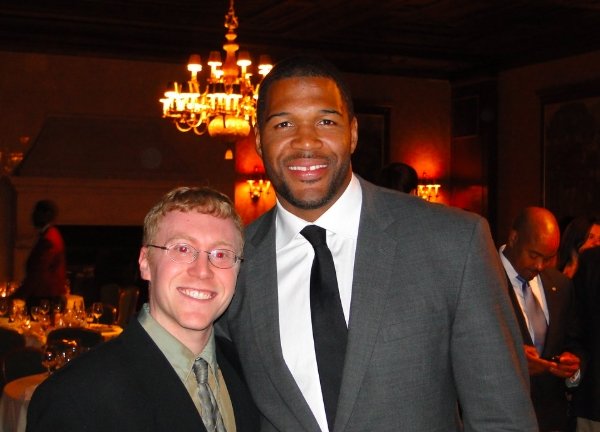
544,303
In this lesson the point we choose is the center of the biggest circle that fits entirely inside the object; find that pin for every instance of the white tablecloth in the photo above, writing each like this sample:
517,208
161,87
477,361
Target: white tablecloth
36,337
15,401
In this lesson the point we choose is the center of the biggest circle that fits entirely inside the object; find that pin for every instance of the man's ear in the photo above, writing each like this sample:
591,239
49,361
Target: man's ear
512,238
354,134
257,142
144,264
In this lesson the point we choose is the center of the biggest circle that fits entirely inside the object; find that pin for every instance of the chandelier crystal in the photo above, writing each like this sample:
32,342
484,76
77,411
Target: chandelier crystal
226,107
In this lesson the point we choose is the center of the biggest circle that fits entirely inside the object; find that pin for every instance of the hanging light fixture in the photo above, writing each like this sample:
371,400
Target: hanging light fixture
227,105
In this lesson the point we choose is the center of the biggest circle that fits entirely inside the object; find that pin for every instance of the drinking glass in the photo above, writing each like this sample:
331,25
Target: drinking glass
97,310
35,313
44,321
50,358
45,306
89,317
3,307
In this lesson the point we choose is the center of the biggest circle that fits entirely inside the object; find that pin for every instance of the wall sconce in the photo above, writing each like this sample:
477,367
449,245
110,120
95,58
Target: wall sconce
427,188
258,185
11,157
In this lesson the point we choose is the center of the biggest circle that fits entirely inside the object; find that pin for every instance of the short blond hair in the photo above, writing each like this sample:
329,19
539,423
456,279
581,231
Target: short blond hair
185,199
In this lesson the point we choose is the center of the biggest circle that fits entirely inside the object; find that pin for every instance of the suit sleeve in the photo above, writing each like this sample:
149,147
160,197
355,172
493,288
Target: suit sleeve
486,348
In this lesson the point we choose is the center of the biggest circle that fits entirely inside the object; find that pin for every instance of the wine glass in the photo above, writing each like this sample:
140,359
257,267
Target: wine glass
97,311
35,313
3,307
45,307
44,321
49,358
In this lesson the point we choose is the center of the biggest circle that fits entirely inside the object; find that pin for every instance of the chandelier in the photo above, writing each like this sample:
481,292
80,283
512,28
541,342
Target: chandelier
226,107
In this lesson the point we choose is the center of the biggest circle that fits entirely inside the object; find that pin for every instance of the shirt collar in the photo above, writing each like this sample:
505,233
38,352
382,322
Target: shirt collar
510,270
180,356
341,218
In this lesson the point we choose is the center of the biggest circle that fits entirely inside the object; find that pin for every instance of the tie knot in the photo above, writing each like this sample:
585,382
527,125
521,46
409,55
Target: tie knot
201,370
315,235
524,282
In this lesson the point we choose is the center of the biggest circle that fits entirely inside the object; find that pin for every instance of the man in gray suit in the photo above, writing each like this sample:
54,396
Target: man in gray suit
421,288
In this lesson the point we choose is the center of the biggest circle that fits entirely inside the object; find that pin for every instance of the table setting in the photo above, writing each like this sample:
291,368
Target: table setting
36,323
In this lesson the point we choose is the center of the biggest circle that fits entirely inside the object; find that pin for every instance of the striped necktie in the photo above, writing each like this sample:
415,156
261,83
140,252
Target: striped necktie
535,315
211,416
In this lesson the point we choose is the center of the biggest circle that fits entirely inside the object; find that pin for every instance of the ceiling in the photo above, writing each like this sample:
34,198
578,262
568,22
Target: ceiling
448,39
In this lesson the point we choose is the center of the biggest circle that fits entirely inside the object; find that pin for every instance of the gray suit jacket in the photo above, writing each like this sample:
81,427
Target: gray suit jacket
430,325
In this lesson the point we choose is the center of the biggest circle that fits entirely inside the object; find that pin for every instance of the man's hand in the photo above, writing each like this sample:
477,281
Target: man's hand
565,366
535,363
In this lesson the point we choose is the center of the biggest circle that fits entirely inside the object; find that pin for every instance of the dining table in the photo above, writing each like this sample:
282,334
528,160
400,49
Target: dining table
16,394
36,334
15,401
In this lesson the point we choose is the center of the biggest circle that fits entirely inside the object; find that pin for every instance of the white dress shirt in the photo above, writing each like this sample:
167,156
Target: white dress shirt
537,289
294,261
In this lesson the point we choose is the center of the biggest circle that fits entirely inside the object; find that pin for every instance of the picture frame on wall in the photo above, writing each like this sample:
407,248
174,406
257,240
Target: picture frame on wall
571,150
372,151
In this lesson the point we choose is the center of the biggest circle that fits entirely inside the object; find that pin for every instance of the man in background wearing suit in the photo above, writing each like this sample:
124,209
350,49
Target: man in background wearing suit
166,371
419,290
586,399
544,303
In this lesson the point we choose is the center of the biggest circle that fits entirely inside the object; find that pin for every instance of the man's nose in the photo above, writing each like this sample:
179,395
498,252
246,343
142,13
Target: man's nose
307,138
201,265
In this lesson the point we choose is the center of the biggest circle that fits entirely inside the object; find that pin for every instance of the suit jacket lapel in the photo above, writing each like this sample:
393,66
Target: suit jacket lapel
164,390
519,314
261,285
554,306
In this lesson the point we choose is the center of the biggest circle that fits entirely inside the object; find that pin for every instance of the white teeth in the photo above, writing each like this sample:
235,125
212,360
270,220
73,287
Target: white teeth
304,168
200,295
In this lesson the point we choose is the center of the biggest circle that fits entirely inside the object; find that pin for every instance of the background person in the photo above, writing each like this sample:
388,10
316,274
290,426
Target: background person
149,378
551,332
586,398
399,176
45,269
581,233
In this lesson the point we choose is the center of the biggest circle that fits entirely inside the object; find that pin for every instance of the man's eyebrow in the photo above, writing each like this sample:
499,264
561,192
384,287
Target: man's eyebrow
278,114
331,111
322,111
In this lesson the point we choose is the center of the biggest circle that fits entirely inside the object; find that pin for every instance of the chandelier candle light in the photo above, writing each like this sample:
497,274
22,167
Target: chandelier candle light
227,106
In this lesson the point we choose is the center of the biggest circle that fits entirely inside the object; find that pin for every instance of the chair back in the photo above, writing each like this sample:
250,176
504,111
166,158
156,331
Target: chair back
10,339
109,314
109,293
127,305
20,362
85,337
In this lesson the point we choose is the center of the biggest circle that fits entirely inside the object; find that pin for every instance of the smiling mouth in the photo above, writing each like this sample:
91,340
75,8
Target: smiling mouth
196,294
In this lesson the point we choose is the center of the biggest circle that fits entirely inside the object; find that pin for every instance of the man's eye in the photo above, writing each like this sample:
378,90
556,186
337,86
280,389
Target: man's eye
219,254
282,125
182,249
327,122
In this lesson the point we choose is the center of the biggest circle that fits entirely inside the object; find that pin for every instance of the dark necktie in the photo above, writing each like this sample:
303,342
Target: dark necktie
328,323
211,416
535,315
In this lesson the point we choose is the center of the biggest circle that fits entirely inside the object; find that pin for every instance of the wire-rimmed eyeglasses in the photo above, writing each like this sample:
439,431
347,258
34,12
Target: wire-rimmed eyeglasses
184,253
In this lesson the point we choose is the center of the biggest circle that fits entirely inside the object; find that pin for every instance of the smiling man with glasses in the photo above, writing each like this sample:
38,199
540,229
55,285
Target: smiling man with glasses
167,370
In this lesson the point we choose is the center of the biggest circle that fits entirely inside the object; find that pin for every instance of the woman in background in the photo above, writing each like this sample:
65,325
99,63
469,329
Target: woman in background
581,233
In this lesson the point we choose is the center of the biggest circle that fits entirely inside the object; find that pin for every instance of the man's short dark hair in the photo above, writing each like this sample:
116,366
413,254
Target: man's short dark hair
297,67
